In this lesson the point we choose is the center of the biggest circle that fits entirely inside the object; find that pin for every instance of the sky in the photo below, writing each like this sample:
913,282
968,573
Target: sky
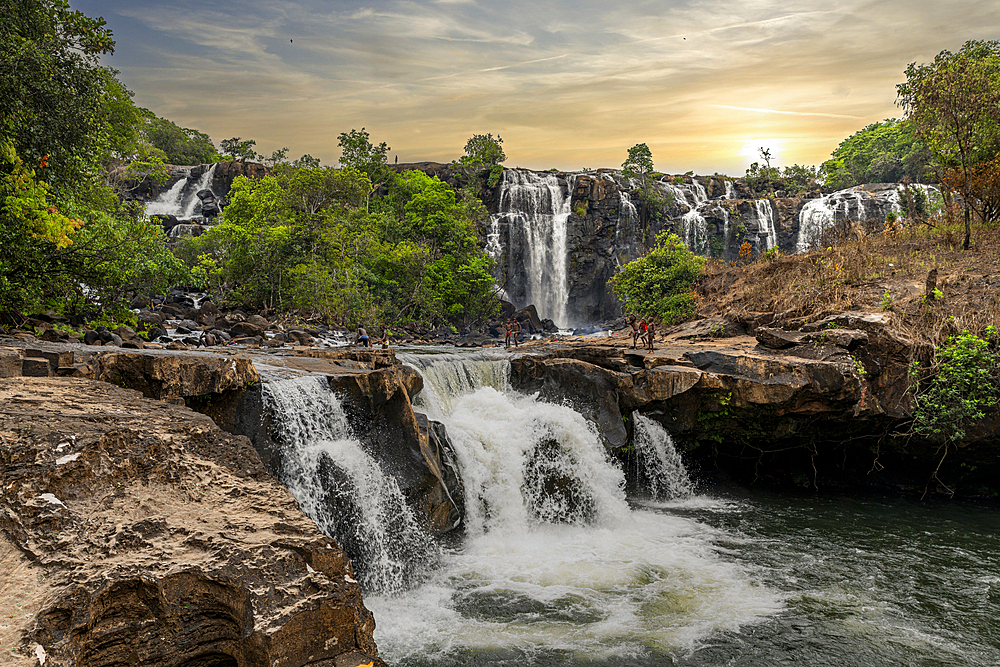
567,85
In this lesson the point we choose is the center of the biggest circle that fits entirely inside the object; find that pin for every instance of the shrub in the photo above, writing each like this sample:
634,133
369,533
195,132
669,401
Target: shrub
659,284
963,386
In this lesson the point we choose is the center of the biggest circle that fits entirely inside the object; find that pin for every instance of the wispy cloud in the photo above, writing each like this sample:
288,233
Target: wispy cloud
565,85
785,113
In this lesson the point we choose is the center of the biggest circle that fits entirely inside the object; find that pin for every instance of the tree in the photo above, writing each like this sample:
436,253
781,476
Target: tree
279,156
180,145
639,165
955,105
239,149
482,153
884,152
357,151
659,284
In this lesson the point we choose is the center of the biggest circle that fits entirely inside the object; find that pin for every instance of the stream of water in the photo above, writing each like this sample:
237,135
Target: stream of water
558,567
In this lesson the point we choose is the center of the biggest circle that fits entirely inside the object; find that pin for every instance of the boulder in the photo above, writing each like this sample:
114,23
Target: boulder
169,377
10,363
245,329
777,339
125,333
528,317
35,367
258,321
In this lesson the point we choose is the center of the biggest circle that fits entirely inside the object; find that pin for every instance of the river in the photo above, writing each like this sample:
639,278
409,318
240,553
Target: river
557,566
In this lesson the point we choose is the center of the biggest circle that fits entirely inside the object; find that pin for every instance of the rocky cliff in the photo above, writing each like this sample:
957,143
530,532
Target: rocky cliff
136,532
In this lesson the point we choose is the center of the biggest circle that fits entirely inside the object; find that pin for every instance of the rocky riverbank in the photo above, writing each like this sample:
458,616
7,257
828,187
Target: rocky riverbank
133,531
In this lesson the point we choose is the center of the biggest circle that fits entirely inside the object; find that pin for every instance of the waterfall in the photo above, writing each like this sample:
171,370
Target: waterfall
343,489
555,566
659,462
181,200
767,227
537,207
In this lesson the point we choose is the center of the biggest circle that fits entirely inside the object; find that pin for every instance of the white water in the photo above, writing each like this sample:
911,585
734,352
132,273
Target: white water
566,568
343,489
181,200
664,470
766,223
538,206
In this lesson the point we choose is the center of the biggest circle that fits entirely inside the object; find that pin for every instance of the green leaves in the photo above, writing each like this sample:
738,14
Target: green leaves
965,384
659,284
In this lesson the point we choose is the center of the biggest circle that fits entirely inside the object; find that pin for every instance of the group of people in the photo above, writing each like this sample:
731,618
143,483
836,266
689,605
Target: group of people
644,329
363,340
512,329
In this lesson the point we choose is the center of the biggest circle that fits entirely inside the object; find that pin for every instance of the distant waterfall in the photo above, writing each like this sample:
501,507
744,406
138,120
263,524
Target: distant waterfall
766,224
343,489
181,200
535,207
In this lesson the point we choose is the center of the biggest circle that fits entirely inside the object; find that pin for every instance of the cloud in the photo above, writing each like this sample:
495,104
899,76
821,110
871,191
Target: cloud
564,85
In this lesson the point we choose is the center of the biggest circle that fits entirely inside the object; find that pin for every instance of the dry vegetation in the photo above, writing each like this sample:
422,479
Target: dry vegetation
877,270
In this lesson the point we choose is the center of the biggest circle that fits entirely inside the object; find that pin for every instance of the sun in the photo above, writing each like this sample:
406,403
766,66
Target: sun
751,150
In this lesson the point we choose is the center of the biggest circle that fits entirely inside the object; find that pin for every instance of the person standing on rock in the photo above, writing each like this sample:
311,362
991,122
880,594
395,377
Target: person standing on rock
651,333
384,338
362,337
508,330
515,330
635,329
643,328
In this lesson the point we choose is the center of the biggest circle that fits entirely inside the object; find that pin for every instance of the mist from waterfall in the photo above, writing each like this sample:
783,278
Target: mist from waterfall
555,561
536,206
181,200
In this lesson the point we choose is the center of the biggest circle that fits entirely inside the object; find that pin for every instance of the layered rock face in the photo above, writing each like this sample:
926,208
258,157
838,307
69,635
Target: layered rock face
134,532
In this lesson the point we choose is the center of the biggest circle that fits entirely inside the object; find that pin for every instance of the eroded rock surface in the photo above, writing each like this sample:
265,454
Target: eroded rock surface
134,532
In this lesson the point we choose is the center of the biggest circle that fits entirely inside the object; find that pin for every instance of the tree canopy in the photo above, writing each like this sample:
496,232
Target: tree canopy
954,104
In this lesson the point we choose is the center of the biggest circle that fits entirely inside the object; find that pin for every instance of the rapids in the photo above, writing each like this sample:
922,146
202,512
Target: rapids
557,565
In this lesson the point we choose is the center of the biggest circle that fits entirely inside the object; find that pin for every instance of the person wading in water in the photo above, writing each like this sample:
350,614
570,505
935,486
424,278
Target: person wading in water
362,337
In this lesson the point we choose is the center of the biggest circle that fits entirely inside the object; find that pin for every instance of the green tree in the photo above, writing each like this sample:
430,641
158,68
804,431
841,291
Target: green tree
240,149
180,145
639,165
885,152
954,103
483,153
659,284
964,385
358,152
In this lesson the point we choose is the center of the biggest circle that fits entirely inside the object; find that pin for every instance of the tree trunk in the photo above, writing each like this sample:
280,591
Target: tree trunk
968,227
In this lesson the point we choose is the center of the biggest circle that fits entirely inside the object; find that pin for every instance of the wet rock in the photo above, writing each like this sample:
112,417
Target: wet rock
246,329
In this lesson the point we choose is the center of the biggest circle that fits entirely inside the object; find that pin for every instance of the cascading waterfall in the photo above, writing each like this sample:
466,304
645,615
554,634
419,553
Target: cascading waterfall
660,463
343,489
537,206
555,564
767,226
181,200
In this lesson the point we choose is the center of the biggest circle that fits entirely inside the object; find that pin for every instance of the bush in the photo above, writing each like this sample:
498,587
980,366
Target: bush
659,284
964,385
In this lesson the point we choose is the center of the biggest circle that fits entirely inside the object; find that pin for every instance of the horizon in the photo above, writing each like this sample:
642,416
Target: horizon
704,86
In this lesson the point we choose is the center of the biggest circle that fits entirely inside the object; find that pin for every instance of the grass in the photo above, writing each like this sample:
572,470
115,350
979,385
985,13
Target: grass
863,267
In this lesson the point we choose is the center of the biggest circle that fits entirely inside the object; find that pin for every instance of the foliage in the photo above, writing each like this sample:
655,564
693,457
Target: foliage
304,238
240,149
639,165
180,145
965,384
885,152
482,153
954,102
793,180
659,284
358,152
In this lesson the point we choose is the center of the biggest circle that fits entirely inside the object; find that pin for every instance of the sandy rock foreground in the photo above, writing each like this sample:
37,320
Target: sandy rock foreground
134,532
